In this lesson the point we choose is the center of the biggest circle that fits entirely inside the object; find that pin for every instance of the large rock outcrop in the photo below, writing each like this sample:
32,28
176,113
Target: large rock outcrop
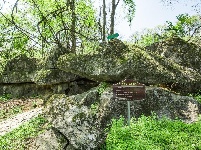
53,76
18,70
24,76
82,118
179,51
132,62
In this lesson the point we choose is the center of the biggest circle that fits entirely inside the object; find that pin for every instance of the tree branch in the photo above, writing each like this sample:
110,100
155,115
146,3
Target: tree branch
194,33
14,7
26,33
117,4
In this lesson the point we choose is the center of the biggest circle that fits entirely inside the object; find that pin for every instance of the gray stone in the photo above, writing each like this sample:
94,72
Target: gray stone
18,70
49,140
132,62
73,117
162,102
179,51
52,76
83,118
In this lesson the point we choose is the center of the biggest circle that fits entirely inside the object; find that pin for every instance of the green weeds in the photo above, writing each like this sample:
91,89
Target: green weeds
5,97
16,139
150,133
101,87
196,96
94,108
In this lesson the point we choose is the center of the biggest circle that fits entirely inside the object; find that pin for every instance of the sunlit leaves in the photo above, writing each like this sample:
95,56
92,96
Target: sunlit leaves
186,27
45,23
183,26
131,10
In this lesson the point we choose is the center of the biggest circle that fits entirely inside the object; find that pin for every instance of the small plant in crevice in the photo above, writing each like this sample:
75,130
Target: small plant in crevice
196,96
17,109
94,108
34,104
101,87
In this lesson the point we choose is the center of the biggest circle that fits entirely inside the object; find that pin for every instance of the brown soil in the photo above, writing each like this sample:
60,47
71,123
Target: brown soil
7,108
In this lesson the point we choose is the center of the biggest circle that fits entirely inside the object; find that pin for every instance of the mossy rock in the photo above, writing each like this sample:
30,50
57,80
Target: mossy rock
19,69
53,76
79,116
137,64
184,53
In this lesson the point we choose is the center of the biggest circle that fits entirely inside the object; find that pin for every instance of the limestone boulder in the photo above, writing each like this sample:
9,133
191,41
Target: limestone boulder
175,49
24,90
134,63
52,76
49,140
48,73
18,70
74,118
52,56
82,118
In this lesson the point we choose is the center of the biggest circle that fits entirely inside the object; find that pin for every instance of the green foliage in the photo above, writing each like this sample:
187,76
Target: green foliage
131,10
101,87
17,138
13,41
5,97
148,36
150,133
183,26
186,27
42,24
94,108
197,96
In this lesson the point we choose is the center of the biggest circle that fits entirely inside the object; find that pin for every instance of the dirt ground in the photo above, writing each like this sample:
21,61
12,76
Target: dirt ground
14,106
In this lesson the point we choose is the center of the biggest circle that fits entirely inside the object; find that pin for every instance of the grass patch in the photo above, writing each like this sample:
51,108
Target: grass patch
16,139
149,133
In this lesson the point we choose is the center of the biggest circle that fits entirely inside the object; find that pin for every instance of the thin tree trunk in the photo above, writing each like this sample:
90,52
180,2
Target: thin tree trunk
114,6
99,23
73,24
104,19
112,17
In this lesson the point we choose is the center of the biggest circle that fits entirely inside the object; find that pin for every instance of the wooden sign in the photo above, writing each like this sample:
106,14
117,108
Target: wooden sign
129,89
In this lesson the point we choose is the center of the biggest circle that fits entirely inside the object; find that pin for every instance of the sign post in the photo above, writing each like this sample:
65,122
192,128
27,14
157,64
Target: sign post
130,90
129,112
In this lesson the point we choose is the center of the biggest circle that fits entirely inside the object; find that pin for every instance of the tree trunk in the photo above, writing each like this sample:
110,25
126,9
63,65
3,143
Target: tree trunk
104,19
112,17
100,23
73,24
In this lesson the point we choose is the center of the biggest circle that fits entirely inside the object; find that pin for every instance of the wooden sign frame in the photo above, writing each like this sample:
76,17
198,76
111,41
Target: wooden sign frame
129,89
